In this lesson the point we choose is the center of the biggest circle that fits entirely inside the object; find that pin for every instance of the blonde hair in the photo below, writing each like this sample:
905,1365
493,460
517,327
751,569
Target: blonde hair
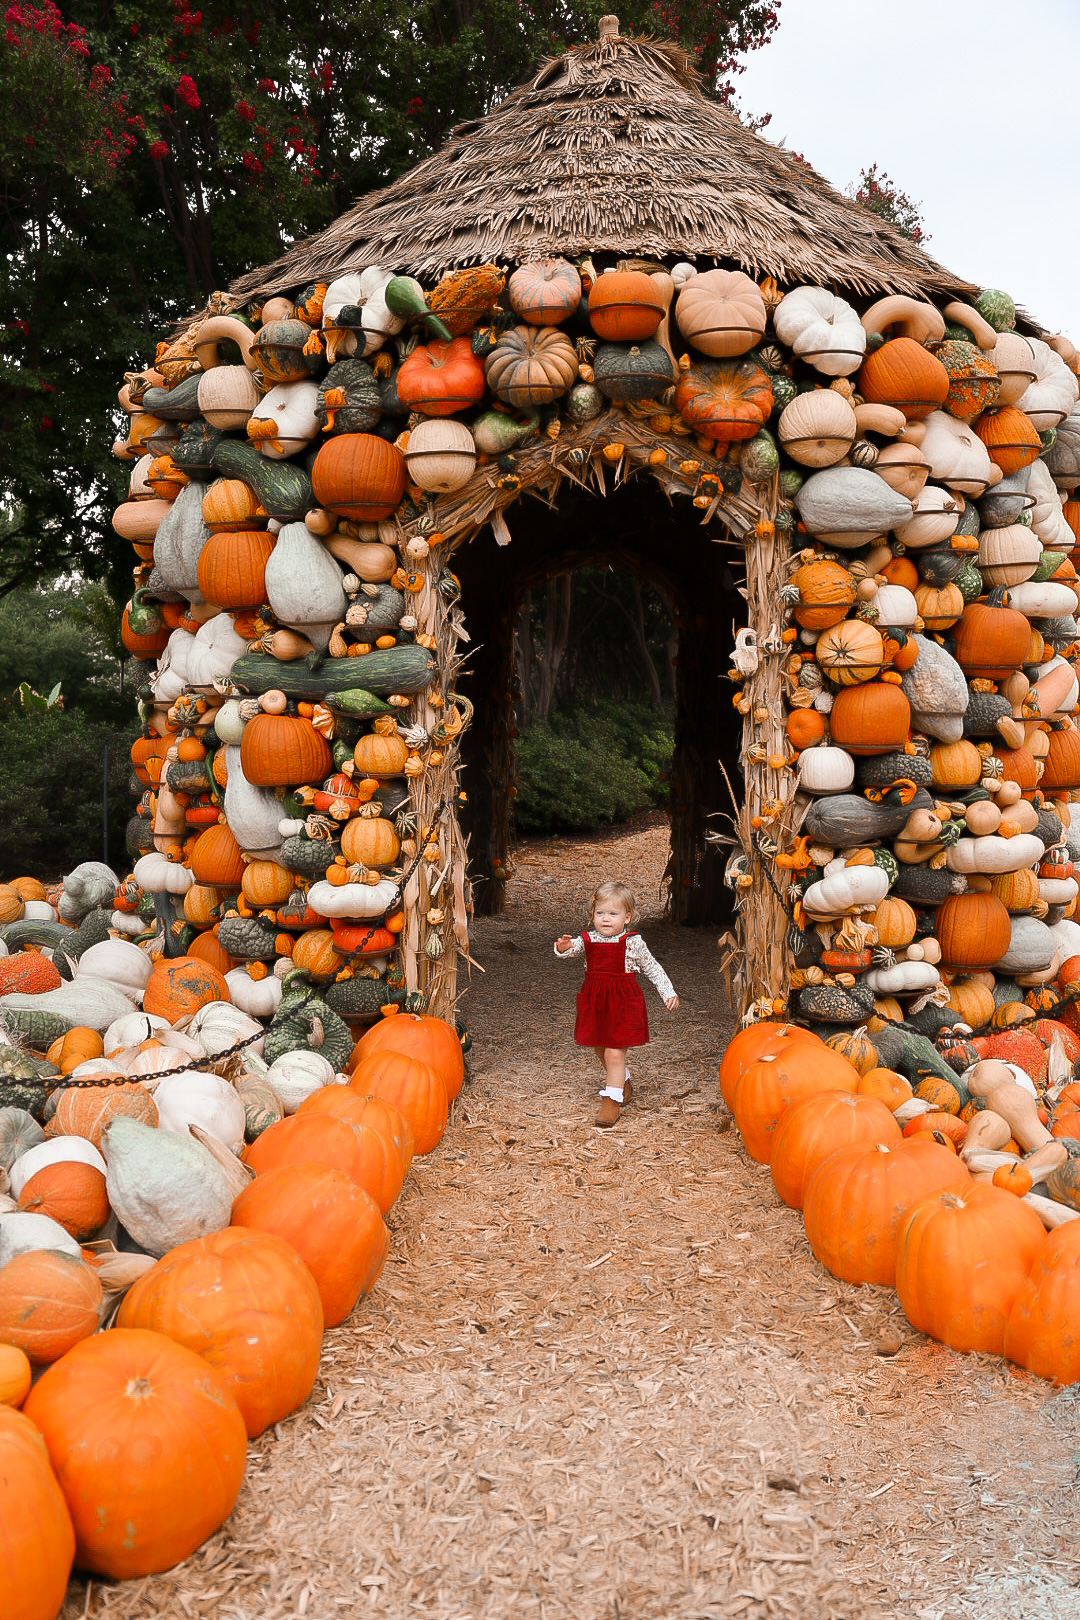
614,891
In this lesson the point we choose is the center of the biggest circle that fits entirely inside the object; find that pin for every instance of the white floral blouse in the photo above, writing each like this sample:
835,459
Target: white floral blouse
639,958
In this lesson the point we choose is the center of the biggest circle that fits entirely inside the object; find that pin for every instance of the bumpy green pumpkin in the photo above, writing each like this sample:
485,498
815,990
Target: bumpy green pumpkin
303,1021
247,938
834,1004
361,998
631,371
93,929
308,857
973,380
188,776
31,931
969,581
997,308
760,458
363,403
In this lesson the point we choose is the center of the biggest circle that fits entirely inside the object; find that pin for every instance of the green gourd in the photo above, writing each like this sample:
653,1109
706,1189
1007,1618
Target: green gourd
304,1022
405,297
308,857
626,372
283,488
93,929
357,702
914,1057
179,404
37,931
188,776
361,998
35,1025
247,938
194,452
406,669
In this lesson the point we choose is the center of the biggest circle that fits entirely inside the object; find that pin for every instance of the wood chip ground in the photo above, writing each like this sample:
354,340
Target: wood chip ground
603,1378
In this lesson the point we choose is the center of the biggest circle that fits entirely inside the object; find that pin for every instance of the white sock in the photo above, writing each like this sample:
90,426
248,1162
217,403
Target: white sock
609,1091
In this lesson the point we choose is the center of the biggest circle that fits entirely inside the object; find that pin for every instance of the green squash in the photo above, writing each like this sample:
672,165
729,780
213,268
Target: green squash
308,857
760,458
179,404
189,776
997,308
248,938
31,931
361,998
194,452
968,581
39,1029
626,372
406,669
355,701
304,1022
93,929
363,405
283,488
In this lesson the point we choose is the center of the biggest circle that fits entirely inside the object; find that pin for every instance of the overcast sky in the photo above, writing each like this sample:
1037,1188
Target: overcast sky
970,106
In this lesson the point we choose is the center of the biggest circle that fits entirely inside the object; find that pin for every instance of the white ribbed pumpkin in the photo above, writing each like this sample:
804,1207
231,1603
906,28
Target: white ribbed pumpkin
1010,555
818,428
295,1075
219,1025
994,853
118,961
825,770
937,513
204,1100
259,998
440,455
157,875
896,607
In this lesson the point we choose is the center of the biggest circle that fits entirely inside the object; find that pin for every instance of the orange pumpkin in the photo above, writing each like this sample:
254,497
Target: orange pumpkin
49,1300
973,930
1011,438
309,1138
315,951
804,728
873,718
232,567
904,374
625,306
16,1376
344,1103
991,640
216,857
432,1040
245,1302
410,1086
70,1193
206,947
281,750
962,1258
29,973
359,476
887,1086
855,1200
756,1041
810,1130
148,1446
266,884
37,1538
726,400
441,379
773,1081
334,1225
178,986
370,840
86,1110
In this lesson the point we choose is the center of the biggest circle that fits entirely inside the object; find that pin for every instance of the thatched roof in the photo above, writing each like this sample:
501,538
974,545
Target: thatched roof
613,148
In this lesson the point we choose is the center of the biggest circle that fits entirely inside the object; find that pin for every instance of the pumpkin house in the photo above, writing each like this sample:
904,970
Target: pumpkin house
606,322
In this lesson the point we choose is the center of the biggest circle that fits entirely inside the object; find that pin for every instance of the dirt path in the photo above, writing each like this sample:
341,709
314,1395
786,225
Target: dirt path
603,1378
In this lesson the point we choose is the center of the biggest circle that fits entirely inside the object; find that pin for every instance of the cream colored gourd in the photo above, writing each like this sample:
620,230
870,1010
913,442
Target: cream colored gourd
165,1189
352,899
253,813
227,397
86,886
303,584
259,998
221,329
994,853
934,520
1051,395
902,979
903,467
157,875
825,770
219,1025
905,317
818,428
58,1150
1045,599
896,607
440,455
369,560
1015,365
215,649
822,329
295,1075
86,1002
844,888
721,312
118,961
1010,555
21,1232
1047,518
228,721
957,456
204,1100
284,420
170,677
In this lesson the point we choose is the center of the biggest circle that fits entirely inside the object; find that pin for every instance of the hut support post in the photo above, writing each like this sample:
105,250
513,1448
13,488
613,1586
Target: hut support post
762,975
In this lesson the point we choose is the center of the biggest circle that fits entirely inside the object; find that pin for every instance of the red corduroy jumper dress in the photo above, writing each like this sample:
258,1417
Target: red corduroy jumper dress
610,1005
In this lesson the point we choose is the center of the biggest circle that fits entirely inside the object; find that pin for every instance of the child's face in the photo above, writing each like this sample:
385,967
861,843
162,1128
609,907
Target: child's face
610,917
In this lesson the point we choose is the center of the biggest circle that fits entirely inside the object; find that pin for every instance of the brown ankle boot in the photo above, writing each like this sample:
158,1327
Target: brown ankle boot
607,1114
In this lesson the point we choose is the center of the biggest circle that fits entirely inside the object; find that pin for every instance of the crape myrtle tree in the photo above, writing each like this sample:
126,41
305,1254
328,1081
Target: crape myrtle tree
152,152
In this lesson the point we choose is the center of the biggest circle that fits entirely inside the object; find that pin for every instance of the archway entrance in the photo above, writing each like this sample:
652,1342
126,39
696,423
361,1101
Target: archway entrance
638,529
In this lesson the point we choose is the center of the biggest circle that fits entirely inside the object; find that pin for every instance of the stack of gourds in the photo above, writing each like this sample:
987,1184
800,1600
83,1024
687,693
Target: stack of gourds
214,1206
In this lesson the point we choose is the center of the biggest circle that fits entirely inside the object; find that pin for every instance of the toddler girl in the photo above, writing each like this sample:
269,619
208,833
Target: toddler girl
611,1014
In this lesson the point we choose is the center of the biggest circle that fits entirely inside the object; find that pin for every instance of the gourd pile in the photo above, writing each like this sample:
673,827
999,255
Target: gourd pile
214,1193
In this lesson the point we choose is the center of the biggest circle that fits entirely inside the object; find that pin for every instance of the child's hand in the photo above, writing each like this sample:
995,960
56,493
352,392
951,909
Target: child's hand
564,942
671,1003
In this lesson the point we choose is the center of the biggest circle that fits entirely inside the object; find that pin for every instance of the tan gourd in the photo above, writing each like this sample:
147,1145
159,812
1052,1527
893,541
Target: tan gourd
1050,1213
368,560
884,419
221,328
987,1132
1016,1106
960,314
910,317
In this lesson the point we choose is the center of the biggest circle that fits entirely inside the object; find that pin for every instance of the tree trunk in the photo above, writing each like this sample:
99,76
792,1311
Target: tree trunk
556,634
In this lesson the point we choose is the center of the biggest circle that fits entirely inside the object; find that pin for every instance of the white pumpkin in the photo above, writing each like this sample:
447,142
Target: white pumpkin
227,397
20,1232
1058,891
822,329
39,911
365,291
166,1189
228,721
219,1025
204,1100
825,770
993,853
896,607
284,420
440,455
259,998
156,875
353,899
57,1150
935,519
127,922
1031,947
138,488
253,813
845,888
903,467
1047,518
850,507
303,585
1067,935
215,650
1046,599
295,1075
133,1028
902,979
170,677
818,428
120,962
1015,365
957,457
1053,393
1008,556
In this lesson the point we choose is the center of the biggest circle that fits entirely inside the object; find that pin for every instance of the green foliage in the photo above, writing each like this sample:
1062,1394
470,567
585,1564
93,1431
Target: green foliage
585,766
67,635
51,767
883,197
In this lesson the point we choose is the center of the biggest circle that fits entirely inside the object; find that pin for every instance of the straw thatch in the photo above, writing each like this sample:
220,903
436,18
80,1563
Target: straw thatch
614,148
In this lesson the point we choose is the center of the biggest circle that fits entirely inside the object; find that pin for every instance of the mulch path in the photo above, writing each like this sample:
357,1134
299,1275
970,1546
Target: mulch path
603,1378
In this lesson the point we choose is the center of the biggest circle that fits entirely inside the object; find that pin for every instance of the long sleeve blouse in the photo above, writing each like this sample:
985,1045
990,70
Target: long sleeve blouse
639,959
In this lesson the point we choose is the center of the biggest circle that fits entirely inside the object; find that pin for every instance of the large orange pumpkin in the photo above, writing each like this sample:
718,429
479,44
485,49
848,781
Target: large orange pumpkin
379,1168
359,476
281,750
773,1081
873,718
961,1260
206,947
991,640
810,1130
726,400
16,1376
432,1040
383,1117
1043,1331
904,374
180,985
856,1198
440,378
334,1226
309,1138
625,306
412,1087
1011,438
753,1042
70,1193
37,1538
245,1302
232,567
49,1300
216,858
973,930
148,1446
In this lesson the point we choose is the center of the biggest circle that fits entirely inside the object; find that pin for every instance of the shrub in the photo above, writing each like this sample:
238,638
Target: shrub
583,767
50,792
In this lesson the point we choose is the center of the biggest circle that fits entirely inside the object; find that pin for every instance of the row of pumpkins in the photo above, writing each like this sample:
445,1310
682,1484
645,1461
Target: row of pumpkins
887,1197
213,1192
